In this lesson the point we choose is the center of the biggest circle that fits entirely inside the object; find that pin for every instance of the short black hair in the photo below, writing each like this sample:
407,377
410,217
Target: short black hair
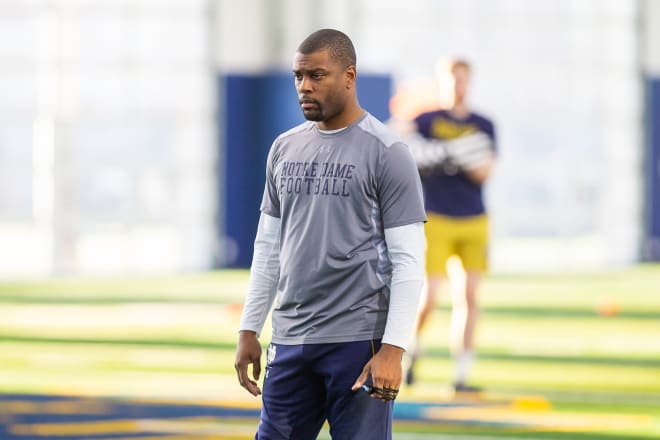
337,43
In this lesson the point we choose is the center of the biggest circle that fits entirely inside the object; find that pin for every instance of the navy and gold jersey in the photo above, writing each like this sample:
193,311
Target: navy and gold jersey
454,195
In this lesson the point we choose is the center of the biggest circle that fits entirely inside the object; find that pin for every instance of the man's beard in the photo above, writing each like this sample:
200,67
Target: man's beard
323,112
314,114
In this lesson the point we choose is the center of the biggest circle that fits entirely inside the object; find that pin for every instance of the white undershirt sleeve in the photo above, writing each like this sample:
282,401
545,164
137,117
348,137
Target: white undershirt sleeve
264,274
406,247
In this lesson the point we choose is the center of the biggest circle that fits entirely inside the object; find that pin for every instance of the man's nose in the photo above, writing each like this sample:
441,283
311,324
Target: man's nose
305,84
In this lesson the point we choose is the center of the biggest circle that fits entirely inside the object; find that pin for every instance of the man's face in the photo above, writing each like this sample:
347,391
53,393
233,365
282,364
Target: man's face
321,85
461,80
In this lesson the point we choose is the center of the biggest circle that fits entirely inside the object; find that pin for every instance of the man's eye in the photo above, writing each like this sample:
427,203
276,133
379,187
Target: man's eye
317,76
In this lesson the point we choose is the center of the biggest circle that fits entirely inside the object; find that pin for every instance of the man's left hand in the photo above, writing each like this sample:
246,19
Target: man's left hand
385,371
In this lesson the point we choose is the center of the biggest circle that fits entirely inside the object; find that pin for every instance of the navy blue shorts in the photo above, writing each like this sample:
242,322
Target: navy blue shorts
307,384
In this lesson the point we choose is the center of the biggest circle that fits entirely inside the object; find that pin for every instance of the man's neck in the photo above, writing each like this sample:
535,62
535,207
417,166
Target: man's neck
460,110
348,117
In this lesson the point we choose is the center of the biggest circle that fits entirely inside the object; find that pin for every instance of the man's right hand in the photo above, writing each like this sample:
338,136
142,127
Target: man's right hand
248,352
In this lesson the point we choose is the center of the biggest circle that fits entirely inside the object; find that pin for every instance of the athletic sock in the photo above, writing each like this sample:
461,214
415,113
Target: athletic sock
464,361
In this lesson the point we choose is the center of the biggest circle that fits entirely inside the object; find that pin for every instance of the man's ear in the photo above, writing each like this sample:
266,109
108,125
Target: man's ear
351,76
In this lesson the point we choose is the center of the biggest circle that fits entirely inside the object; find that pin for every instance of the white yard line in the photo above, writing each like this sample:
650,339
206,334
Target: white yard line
418,436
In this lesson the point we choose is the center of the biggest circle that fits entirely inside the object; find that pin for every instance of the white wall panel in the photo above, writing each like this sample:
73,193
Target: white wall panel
127,89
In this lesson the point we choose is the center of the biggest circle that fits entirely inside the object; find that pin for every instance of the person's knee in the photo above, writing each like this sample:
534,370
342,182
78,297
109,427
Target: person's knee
471,302
270,431
363,417
428,305
471,285
281,430
430,298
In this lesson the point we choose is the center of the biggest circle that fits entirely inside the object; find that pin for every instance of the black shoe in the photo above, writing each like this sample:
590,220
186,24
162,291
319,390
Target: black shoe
460,387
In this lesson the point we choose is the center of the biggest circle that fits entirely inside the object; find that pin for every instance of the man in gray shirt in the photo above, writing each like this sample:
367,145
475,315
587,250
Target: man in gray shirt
340,245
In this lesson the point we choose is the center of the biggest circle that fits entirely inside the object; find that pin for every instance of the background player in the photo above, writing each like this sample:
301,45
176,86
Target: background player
455,161
340,242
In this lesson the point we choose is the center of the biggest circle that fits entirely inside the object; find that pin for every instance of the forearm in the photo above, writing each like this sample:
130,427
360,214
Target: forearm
428,153
406,246
480,174
264,275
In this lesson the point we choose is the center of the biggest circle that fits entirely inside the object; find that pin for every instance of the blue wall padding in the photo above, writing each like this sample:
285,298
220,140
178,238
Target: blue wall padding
652,241
257,108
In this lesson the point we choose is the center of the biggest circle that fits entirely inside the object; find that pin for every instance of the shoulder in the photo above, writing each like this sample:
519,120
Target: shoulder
430,115
305,127
284,139
288,137
483,124
481,119
378,131
425,120
392,156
